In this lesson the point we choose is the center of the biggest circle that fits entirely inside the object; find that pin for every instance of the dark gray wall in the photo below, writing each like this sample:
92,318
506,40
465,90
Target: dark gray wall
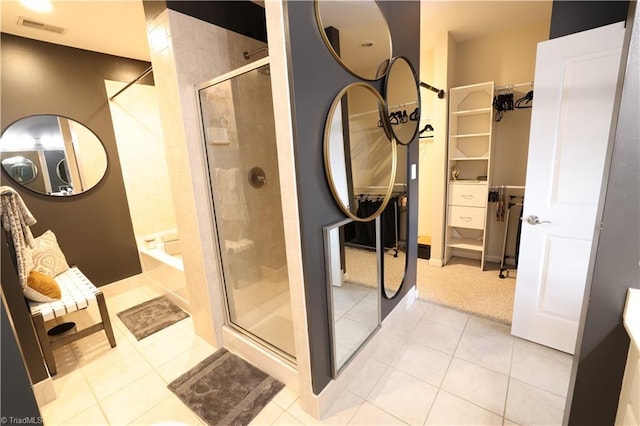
316,78
16,396
94,229
602,353
572,16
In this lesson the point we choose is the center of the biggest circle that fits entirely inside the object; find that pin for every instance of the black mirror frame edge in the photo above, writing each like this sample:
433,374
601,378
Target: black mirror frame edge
389,127
95,185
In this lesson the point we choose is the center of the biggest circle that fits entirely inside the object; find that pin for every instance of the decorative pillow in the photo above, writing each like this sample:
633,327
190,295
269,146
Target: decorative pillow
47,256
41,288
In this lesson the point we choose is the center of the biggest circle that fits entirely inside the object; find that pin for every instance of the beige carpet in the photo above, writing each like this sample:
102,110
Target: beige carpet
463,286
459,285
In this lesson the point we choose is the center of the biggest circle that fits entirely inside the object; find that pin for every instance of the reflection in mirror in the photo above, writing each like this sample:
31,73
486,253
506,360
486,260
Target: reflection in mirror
61,171
394,230
357,34
402,93
359,158
352,275
67,157
20,169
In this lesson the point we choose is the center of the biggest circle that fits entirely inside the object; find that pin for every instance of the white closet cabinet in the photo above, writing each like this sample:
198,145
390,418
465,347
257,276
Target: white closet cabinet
469,169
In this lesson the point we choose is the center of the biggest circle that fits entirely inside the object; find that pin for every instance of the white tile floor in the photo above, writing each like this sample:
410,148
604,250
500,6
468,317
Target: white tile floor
437,367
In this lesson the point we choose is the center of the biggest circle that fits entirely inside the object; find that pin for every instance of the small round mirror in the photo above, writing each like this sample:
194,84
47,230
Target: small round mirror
60,156
21,169
357,35
359,158
402,94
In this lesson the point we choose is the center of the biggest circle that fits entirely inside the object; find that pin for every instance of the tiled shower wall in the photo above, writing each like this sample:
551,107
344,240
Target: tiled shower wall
240,135
186,52
138,130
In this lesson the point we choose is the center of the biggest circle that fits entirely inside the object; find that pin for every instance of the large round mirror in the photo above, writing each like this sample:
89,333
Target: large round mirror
357,34
59,155
359,157
402,93
393,226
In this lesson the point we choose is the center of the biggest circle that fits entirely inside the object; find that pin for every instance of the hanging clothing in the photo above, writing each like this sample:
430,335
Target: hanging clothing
16,220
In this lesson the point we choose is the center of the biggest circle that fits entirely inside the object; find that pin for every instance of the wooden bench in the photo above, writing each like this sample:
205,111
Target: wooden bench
78,292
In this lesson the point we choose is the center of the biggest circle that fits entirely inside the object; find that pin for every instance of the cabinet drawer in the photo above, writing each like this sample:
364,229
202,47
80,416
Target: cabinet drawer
466,217
467,195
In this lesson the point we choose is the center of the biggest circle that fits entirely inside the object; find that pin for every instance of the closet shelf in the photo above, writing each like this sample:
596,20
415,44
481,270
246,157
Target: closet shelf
468,182
468,158
469,135
465,243
471,112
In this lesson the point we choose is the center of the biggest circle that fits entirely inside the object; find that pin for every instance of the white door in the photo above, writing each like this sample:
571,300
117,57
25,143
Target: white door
574,86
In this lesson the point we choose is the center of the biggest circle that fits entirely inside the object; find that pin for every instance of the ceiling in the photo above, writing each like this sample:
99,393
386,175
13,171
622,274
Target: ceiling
468,20
113,27
118,27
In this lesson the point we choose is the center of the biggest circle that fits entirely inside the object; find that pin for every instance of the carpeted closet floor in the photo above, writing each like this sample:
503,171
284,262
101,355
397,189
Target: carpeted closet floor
463,286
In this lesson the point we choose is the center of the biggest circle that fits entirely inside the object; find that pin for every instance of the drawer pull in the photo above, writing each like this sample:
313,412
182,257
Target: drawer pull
466,218
467,196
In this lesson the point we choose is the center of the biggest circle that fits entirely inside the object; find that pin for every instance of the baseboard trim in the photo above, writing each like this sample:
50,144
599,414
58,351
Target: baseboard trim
436,262
44,392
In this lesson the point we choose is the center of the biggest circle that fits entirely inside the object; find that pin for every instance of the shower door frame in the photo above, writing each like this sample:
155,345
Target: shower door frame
212,211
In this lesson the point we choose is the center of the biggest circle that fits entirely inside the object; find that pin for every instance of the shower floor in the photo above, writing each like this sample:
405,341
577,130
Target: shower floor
270,317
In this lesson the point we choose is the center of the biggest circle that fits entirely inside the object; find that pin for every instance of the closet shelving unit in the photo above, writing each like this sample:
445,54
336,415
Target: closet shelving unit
469,154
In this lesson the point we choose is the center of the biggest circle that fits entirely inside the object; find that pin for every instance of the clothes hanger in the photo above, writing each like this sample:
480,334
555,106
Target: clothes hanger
414,115
526,100
427,128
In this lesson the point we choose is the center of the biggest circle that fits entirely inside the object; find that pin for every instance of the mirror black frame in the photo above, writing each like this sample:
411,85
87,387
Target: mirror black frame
92,186
416,84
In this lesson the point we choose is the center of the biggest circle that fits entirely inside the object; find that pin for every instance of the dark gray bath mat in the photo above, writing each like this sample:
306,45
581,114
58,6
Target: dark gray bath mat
223,389
151,316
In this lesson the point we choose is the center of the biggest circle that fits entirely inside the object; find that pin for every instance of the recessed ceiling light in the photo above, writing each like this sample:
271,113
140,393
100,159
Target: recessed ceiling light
366,43
38,5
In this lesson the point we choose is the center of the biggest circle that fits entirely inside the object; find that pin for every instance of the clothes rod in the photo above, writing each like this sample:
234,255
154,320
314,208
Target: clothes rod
140,77
507,186
440,92
247,55
513,86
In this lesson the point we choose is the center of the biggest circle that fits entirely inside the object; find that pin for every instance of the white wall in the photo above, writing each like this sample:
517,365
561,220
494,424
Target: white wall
141,149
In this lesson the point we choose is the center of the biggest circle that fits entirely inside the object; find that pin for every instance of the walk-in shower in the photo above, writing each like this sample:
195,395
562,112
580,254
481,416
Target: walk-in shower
240,145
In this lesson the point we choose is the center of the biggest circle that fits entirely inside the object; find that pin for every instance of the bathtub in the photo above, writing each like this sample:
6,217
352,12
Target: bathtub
165,270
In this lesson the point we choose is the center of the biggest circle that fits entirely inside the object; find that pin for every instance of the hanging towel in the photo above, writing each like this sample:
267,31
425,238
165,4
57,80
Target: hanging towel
231,195
16,219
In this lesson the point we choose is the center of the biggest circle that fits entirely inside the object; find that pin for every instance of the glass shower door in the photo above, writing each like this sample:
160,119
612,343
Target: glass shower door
240,144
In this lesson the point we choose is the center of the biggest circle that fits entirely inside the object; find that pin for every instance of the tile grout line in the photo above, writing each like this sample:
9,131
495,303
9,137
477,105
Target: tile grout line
446,371
506,397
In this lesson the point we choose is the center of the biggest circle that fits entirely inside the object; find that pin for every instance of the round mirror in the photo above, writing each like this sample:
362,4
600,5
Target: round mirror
359,158
394,230
21,169
63,157
357,35
61,171
402,93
